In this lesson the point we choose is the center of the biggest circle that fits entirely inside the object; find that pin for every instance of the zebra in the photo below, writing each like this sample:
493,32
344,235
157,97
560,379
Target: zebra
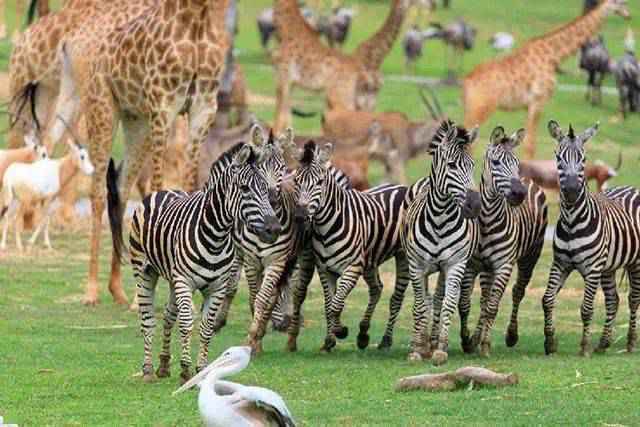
352,233
596,234
185,238
440,234
512,220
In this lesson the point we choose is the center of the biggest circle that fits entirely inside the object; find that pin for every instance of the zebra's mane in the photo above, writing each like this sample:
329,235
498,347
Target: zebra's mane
448,132
308,153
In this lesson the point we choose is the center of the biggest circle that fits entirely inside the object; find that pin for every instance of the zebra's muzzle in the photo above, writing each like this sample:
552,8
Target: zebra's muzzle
271,230
472,204
301,213
571,189
517,192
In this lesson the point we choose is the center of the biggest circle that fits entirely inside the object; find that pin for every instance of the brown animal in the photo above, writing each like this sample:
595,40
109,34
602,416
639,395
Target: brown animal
545,173
28,154
409,138
526,78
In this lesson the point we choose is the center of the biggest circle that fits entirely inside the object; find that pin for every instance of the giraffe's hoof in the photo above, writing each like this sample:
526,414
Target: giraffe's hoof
511,338
550,344
439,357
385,343
164,370
341,332
363,341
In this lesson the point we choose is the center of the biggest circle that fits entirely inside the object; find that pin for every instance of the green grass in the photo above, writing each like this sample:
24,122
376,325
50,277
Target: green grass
64,364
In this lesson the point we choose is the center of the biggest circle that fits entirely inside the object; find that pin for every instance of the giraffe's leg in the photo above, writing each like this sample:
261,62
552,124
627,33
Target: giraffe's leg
372,278
634,302
283,103
170,316
101,123
265,301
301,280
146,289
395,303
465,306
501,279
611,301
557,276
591,284
525,271
533,117
453,279
202,114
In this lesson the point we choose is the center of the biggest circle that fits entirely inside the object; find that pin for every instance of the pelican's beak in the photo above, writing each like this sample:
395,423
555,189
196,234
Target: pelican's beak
200,376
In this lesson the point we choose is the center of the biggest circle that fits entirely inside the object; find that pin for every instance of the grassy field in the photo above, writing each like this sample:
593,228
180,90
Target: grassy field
65,364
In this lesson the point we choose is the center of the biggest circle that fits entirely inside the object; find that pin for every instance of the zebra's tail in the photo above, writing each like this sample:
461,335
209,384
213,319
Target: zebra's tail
115,210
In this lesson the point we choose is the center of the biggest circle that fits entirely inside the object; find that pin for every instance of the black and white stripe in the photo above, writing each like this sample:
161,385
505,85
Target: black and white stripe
185,238
596,234
512,220
440,235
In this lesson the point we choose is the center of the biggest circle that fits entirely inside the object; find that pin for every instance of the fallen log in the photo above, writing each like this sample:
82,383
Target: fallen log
460,378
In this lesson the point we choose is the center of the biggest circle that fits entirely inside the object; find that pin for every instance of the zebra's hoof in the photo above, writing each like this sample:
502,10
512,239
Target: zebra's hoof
467,345
292,345
185,375
485,349
341,332
385,343
439,357
329,344
585,351
219,324
164,370
363,341
631,348
511,339
602,347
281,325
550,345
256,347
149,378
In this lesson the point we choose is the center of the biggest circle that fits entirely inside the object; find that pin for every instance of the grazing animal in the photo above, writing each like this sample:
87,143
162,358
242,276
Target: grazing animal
32,151
627,74
408,138
526,78
502,41
545,173
339,25
594,59
197,253
440,234
352,233
39,182
460,37
226,404
596,234
412,44
266,26
513,220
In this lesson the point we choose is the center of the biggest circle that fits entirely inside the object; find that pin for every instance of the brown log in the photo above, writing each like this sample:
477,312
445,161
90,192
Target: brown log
449,381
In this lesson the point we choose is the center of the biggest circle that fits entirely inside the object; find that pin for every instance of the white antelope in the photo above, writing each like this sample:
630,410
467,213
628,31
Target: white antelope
39,182
31,152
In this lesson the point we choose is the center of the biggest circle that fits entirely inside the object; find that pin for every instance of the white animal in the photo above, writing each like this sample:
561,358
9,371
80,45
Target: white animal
227,404
31,152
39,182
502,41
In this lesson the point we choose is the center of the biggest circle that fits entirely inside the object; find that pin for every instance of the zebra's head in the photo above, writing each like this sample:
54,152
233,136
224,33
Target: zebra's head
570,159
273,164
452,166
501,172
310,179
253,208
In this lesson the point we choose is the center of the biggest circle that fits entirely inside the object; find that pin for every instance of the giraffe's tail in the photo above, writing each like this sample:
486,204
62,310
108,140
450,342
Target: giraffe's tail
115,211
31,12
24,98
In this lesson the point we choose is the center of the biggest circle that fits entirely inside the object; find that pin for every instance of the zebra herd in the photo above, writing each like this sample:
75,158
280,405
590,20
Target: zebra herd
281,225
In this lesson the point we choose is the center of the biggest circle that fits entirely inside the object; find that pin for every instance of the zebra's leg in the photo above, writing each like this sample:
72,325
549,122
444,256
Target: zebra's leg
254,280
232,289
301,279
634,302
501,279
465,306
449,306
372,278
437,308
265,300
591,285
146,289
486,281
170,316
525,272
185,324
557,276
328,281
214,297
395,303
422,311
345,285
611,302
281,314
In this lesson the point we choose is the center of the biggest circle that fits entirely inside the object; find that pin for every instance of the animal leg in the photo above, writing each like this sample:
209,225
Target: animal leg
422,310
395,303
591,284
170,316
525,271
329,281
437,307
345,285
557,276
453,279
214,296
265,301
232,289
18,226
486,281
283,103
146,289
9,216
634,302
372,278
464,307
611,300
302,278
185,324
533,117
501,279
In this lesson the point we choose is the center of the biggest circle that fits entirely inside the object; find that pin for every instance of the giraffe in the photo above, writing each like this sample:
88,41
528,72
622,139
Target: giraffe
301,59
141,75
526,78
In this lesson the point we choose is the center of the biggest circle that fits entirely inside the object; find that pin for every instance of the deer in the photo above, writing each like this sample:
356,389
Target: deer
31,152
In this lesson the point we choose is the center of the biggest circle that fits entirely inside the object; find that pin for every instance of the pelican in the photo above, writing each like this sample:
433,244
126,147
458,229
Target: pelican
227,404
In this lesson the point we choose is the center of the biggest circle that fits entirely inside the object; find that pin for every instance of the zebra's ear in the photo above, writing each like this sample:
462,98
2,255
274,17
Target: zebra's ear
497,135
324,154
243,156
555,131
517,137
285,141
257,135
589,133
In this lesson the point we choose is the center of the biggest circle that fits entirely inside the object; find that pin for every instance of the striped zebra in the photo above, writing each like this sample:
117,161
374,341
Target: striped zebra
596,235
512,220
440,235
185,238
352,233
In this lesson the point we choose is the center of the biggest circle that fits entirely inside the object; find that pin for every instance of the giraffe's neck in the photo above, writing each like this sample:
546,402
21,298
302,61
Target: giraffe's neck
372,51
289,20
566,40
197,15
